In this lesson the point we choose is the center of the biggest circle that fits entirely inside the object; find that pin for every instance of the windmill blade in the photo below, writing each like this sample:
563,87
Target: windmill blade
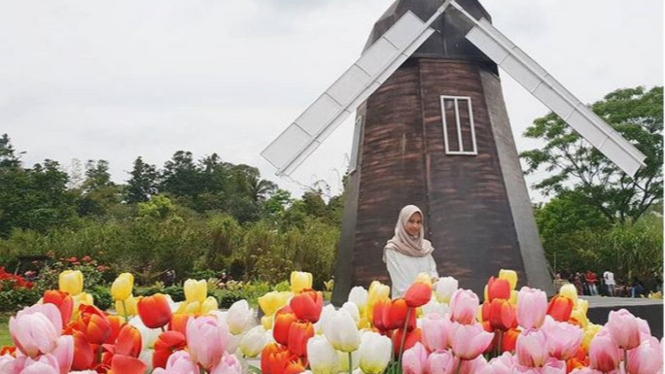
321,118
545,88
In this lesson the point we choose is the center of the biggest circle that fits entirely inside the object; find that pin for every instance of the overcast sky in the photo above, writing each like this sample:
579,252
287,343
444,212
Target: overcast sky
117,79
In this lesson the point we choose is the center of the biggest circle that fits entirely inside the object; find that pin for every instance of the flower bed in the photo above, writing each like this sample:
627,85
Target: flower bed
434,328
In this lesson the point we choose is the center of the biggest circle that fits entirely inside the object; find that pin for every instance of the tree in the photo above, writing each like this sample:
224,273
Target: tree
143,182
181,176
8,158
98,192
573,164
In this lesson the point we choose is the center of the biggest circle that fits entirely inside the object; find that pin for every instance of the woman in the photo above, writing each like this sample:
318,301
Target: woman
408,253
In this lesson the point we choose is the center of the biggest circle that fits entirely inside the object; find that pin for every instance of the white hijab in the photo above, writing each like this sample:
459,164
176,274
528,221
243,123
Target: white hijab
402,242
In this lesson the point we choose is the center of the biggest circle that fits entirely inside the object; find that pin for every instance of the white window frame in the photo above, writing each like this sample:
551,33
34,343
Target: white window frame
355,147
461,150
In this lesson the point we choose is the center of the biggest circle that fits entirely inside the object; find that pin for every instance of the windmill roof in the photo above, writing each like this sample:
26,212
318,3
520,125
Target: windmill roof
449,40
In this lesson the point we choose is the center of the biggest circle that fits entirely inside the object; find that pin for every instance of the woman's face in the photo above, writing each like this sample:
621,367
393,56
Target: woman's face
414,224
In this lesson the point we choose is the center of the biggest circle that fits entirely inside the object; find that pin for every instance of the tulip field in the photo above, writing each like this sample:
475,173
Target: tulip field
434,328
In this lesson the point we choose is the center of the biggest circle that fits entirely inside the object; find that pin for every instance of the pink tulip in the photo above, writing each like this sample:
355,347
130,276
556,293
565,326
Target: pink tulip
414,360
563,339
531,308
469,341
551,366
64,353
178,363
228,365
475,366
624,329
500,365
604,355
647,358
586,371
464,306
436,331
441,362
36,329
643,326
531,348
47,364
206,340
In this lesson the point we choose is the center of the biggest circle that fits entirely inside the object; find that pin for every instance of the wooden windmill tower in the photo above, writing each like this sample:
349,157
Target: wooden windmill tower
432,130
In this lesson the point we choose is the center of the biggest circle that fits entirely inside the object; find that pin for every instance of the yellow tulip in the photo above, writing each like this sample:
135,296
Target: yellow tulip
300,280
377,291
569,291
192,308
209,304
130,306
513,297
580,317
582,305
424,278
82,298
272,301
122,286
195,290
266,322
510,276
589,333
71,281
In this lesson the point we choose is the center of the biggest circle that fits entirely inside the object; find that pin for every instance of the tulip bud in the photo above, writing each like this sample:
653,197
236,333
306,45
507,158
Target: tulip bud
122,286
206,340
498,289
272,301
424,278
300,280
240,317
624,329
322,357
62,301
604,355
418,294
358,296
464,306
299,333
195,290
445,288
531,307
560,308
253,341
569,291
375,352
154,311
208,305
341,331
307,305
71,281
510,276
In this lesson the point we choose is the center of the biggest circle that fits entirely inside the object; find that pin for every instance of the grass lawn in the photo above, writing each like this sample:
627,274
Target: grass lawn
5,339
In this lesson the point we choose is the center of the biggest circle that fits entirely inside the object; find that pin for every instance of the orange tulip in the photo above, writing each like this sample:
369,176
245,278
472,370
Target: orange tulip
560,308
94,324
294,367
510,340
498,288
395,315
84,356
502,315
418,294
307,305
412,338
154,311
299,334
379,308
63,301
267,354
127,365
129,341
167,343
275,358
179,323
282,327
116,323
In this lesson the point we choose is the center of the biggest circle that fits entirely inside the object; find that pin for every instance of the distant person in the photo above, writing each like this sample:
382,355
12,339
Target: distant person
591,280
608,279
637,288
408,253
579,283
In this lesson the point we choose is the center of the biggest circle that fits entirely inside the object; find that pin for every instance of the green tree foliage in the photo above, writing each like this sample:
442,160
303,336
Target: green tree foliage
572,163
98,192
143,182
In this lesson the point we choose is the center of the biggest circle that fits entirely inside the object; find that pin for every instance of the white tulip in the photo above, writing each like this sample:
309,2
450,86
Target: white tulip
325,313
240,317
341,331
323,358
352,308
358,296
344,361
445,288
433,306
146,358
253,341
375,352
233,343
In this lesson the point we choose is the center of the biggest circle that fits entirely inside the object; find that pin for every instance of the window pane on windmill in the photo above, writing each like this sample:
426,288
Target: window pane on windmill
458,127
357,135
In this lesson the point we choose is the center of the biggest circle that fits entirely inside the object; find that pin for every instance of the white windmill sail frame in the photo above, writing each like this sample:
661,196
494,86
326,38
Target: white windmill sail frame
367,74
550,92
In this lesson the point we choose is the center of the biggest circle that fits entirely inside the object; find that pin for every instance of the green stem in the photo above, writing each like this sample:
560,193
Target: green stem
459,366
499,344
99,354
401,346
350,363
125,309
163,330
625,361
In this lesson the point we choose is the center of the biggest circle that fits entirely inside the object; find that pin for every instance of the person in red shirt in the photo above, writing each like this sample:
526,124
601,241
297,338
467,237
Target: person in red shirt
591,280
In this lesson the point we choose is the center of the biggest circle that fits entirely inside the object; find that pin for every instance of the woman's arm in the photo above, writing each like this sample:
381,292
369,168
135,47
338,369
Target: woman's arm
432,268
397,268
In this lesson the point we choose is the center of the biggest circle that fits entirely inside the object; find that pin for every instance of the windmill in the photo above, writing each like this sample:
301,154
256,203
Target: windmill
432,130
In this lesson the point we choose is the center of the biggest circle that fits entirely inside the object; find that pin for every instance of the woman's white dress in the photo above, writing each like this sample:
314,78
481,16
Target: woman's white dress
404,269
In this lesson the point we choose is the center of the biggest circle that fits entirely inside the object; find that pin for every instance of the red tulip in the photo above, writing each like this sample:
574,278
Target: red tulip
267,355
560,308
394,316
275,359
154,311
294,367
502,315
418,294
509,340
498,288
179,323
167,343
116,323
377,313
94,324
412,338
282,327
84,356
299,334
307,305
63,301
129,341
127,365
